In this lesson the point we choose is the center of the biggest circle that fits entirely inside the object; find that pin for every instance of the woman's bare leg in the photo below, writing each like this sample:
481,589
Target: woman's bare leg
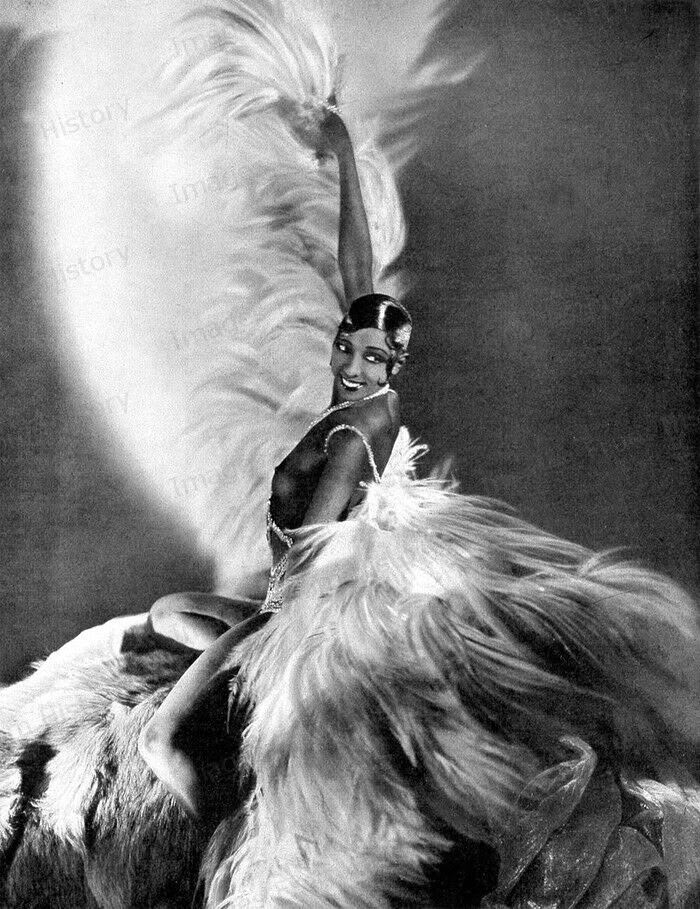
160,742
196,620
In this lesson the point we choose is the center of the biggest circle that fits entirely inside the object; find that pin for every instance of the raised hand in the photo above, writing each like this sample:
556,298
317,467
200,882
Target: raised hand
333,131
317,125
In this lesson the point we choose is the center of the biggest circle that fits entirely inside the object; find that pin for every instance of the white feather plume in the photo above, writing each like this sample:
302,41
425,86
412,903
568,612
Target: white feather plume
267,78
214,225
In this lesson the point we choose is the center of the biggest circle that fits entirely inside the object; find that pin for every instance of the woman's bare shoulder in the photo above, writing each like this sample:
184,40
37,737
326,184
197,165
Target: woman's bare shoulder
377,419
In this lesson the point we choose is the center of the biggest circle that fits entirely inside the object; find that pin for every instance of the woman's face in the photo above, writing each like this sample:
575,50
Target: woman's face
359,363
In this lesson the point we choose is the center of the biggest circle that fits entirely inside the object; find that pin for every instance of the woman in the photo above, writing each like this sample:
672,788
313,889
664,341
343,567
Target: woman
433,668
318,482
438,669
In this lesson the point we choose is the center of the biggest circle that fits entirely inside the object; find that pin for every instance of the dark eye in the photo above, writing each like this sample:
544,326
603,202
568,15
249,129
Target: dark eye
375,358
342,346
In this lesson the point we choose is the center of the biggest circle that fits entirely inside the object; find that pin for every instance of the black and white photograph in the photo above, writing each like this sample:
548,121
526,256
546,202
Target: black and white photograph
349,485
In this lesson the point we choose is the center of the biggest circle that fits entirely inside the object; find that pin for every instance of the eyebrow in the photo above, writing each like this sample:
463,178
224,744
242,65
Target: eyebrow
343,336
346,336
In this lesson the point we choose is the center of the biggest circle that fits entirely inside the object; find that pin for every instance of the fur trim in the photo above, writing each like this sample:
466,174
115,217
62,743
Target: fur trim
83,822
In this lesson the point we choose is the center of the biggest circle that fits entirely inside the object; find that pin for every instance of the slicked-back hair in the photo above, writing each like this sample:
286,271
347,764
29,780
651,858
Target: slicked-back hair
383,312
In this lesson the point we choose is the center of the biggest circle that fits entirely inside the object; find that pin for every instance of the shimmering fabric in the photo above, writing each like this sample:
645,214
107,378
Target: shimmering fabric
588,840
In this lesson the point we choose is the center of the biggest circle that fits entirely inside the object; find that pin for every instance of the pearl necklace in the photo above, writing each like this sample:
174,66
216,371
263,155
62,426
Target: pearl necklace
342,406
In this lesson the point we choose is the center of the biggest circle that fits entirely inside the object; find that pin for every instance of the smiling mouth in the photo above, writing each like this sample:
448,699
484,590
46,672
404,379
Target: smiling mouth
349,384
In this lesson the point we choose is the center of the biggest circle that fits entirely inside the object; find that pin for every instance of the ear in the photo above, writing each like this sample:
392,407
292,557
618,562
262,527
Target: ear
400,360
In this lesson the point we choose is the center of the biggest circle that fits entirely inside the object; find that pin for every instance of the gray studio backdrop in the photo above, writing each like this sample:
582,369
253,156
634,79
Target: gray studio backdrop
552,247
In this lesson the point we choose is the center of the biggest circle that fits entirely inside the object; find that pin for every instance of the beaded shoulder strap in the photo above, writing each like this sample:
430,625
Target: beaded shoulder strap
370,453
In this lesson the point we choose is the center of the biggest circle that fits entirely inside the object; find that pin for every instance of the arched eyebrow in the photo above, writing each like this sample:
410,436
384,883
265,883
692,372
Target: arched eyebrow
347,337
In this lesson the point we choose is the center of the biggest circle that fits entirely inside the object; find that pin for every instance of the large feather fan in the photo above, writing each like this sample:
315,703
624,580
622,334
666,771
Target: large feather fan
266,80
219,218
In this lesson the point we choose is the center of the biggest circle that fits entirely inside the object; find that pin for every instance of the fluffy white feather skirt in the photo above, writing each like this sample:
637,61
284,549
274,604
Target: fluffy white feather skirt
435,652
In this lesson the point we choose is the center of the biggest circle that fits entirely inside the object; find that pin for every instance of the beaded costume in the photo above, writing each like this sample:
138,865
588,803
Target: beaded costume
273,598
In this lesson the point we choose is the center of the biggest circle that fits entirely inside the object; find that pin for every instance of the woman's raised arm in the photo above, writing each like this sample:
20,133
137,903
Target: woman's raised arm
354,243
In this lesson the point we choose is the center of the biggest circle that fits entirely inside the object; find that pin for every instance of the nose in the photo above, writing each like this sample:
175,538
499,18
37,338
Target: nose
353,368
